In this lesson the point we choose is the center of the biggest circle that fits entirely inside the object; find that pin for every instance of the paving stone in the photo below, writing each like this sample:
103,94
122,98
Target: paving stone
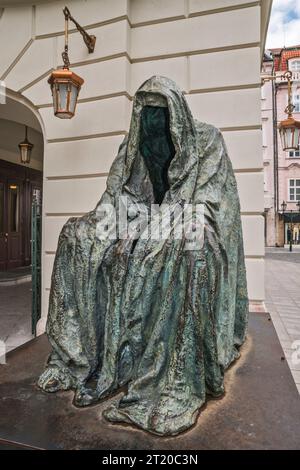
283,298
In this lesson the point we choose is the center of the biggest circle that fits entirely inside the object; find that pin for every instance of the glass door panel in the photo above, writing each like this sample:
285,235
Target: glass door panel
2,230
14,208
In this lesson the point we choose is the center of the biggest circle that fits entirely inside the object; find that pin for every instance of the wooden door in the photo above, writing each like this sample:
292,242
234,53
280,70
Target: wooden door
18,185
10,224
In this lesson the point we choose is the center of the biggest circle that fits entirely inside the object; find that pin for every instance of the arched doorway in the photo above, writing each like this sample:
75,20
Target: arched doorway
20,211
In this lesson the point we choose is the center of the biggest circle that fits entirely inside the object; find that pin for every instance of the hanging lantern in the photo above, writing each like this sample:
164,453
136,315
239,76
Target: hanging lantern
283,206
65,84
25,149
289,129
65,87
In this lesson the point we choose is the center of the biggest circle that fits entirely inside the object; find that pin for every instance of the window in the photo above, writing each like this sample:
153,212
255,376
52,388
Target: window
294,154
294,65
294,190
13,208
296,102
1,207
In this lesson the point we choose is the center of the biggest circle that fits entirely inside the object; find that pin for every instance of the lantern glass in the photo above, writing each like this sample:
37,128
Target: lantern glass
63,96
25,148
25,152
73,98
65,86
289,133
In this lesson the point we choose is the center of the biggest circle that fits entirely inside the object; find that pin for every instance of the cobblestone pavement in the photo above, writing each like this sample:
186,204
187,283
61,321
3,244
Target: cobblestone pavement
283,302
15,315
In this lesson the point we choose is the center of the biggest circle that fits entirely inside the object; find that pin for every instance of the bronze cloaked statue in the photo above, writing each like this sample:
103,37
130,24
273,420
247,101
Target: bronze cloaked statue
138,302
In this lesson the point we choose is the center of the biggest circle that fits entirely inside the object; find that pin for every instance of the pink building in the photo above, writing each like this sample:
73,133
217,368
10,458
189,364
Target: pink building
281,169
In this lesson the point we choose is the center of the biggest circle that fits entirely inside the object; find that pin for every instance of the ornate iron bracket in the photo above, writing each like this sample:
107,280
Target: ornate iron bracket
89,40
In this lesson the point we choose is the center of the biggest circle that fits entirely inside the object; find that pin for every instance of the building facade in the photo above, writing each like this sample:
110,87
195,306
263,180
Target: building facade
190,41
281,168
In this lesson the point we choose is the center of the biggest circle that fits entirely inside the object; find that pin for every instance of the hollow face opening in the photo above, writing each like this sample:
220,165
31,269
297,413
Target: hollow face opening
21,186
156,147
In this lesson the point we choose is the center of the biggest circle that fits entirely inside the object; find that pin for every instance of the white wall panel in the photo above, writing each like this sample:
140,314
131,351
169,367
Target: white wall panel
149,10
253,233
29,67
81,157
244,149
20,26
48,261
196,6
53,226
50,19
256,278
77,195
40,92
100,79
251,191
227,68
103,78
95,117
175,68
111,39
227,108
203,32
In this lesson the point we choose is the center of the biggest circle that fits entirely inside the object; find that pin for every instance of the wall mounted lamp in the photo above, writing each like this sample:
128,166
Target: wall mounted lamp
289,129
25,148
65,84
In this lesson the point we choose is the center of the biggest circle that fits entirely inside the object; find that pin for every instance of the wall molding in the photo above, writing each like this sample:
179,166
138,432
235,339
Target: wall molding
254,127
130,97
225,9
186,15
131,60
195,52
64,214
223,88
74,177
99,24
85,137
93,98
35,81
17,58
105,174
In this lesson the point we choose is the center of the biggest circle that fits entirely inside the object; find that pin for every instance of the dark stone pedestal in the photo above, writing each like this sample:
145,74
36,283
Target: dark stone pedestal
261,409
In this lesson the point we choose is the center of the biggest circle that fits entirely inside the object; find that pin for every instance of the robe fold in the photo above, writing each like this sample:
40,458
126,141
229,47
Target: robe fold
149,317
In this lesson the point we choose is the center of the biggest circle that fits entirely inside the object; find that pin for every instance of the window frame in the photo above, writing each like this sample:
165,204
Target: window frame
295,189
292,61
293,152
296,101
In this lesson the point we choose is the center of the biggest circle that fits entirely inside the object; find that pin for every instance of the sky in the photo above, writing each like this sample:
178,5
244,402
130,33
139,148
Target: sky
284,27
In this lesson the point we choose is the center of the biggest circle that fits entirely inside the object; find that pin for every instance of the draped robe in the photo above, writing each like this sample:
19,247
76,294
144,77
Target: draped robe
147,317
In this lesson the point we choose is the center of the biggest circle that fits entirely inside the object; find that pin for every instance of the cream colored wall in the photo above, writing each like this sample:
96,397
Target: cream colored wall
210,48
